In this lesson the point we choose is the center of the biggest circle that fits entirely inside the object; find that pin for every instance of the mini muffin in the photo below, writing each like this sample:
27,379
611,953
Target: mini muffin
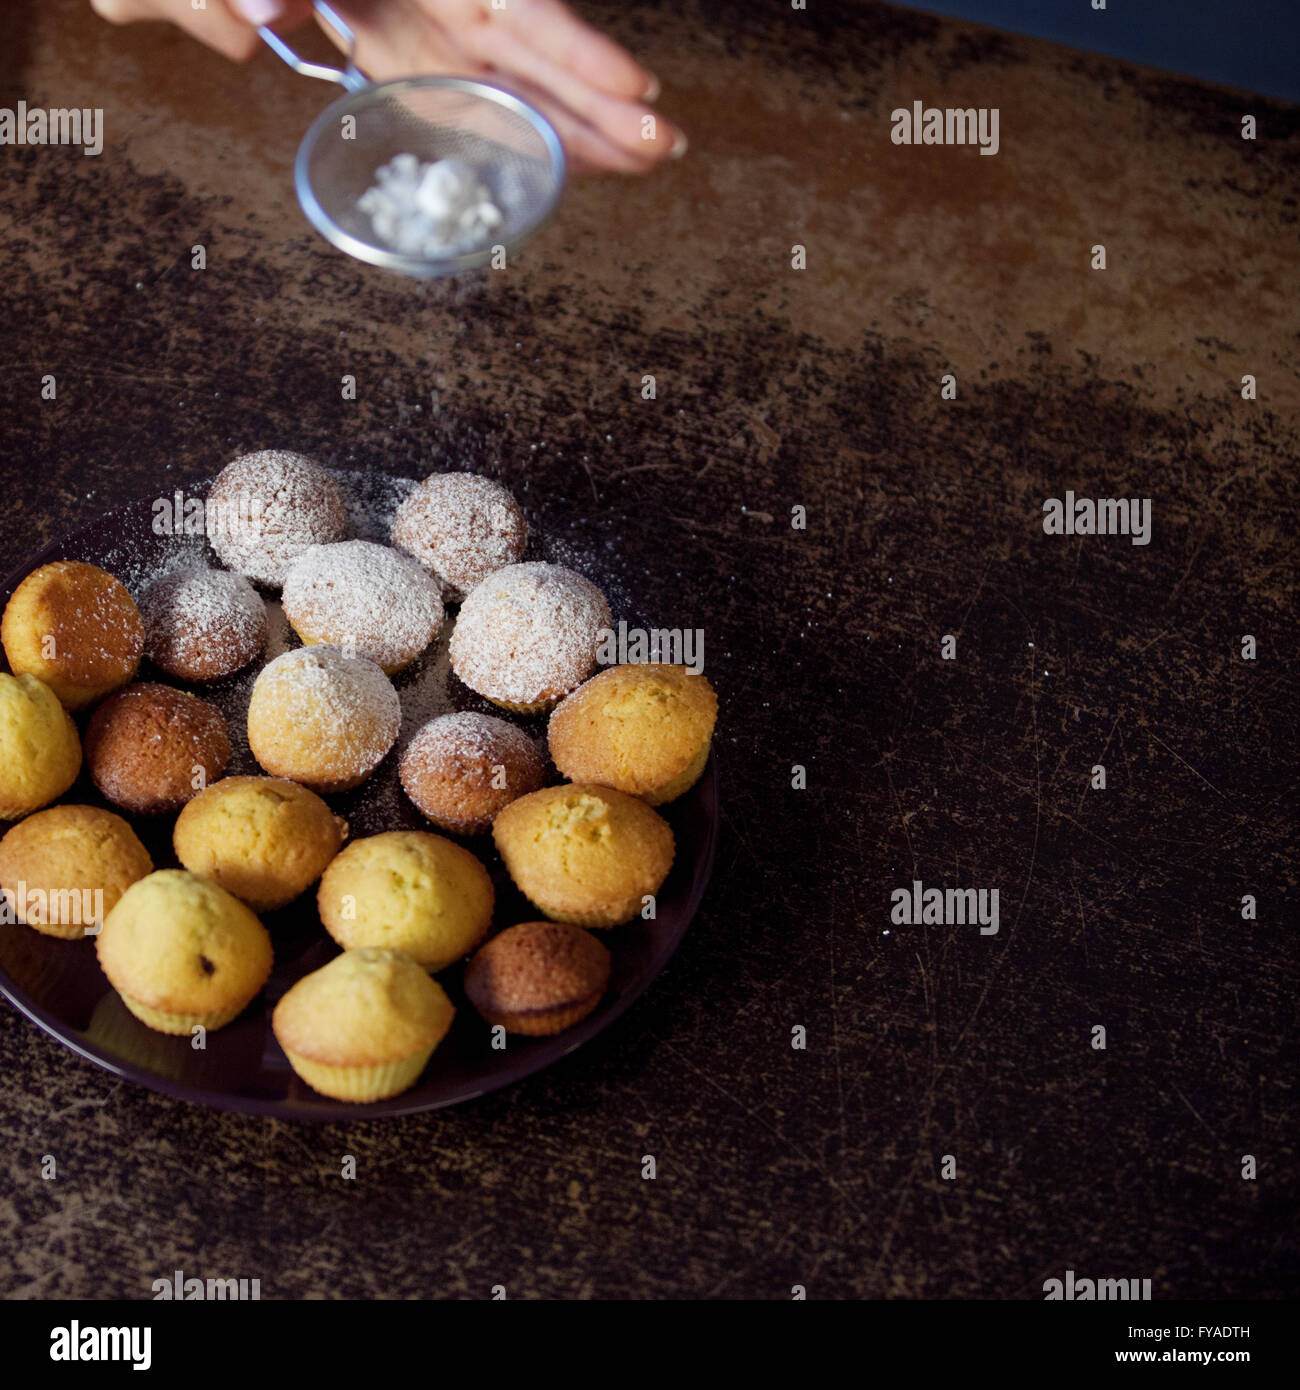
538,978
461,769
202,624
58,863
265,509
364,1026
76,628
40,753
410,891
322,718
584,854
364,598
644,729
264,839
461,528
183,953
150,748
528,635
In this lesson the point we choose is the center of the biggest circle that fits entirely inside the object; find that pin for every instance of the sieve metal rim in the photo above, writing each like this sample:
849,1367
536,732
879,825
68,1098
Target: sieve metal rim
421,267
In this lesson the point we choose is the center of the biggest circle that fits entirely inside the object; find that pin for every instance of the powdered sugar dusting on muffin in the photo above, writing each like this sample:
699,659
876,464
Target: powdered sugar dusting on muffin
202,624
467,737
364,596
266,508
350,696
528,633
461,527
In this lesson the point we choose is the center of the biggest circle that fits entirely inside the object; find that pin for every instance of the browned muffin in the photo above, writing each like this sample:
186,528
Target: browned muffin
151,748
461,769
75,627
202,624
538,978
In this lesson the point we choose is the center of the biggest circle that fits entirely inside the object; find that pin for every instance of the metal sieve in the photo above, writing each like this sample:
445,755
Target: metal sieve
513,148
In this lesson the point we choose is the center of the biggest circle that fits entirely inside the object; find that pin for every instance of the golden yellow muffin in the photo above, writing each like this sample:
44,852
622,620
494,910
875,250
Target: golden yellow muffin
264,839
183,952
76,628
364,1026
40,753
409,891
322,718
365,598
63,870
538,978
644,729
584,854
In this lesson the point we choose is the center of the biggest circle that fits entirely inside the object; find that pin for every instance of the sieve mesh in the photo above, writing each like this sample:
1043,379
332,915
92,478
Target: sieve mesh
511,147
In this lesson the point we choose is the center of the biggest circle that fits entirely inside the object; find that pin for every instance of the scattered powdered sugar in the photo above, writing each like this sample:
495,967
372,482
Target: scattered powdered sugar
437,209
461,527
202,624
528,633
427,688
365,597
373,499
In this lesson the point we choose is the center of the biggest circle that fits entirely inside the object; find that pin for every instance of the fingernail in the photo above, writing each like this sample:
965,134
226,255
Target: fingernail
651,93
679,148
259,11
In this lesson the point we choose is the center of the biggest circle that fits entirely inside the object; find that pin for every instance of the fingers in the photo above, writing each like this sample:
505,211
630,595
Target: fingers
643,136
555,33
588,150
218,24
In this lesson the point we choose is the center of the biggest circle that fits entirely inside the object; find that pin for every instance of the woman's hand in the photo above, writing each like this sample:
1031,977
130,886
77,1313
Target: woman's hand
593,91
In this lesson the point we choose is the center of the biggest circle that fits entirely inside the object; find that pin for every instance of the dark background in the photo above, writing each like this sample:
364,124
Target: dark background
776,388
1252,46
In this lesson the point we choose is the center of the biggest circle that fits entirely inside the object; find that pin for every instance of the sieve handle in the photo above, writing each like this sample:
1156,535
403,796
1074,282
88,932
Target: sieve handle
350,77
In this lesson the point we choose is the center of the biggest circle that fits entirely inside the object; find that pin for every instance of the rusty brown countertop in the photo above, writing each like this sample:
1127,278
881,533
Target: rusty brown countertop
776,388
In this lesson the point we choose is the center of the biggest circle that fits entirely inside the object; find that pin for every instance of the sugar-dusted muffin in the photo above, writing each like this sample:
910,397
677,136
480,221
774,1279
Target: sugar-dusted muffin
264,839
183,953
461,528
202,624
322,718
75,627
528,634
538,978
409,891
150,748
40,753
266,508
364,598
461,769
644,729
364,1026
63,870
584,854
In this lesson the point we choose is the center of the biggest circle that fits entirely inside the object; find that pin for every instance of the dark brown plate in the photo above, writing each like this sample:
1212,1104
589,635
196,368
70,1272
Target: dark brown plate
59,986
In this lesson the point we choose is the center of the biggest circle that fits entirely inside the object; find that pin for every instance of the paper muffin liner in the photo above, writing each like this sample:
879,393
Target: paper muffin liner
595,917
164,1022
544,1023
538,707
360,1084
